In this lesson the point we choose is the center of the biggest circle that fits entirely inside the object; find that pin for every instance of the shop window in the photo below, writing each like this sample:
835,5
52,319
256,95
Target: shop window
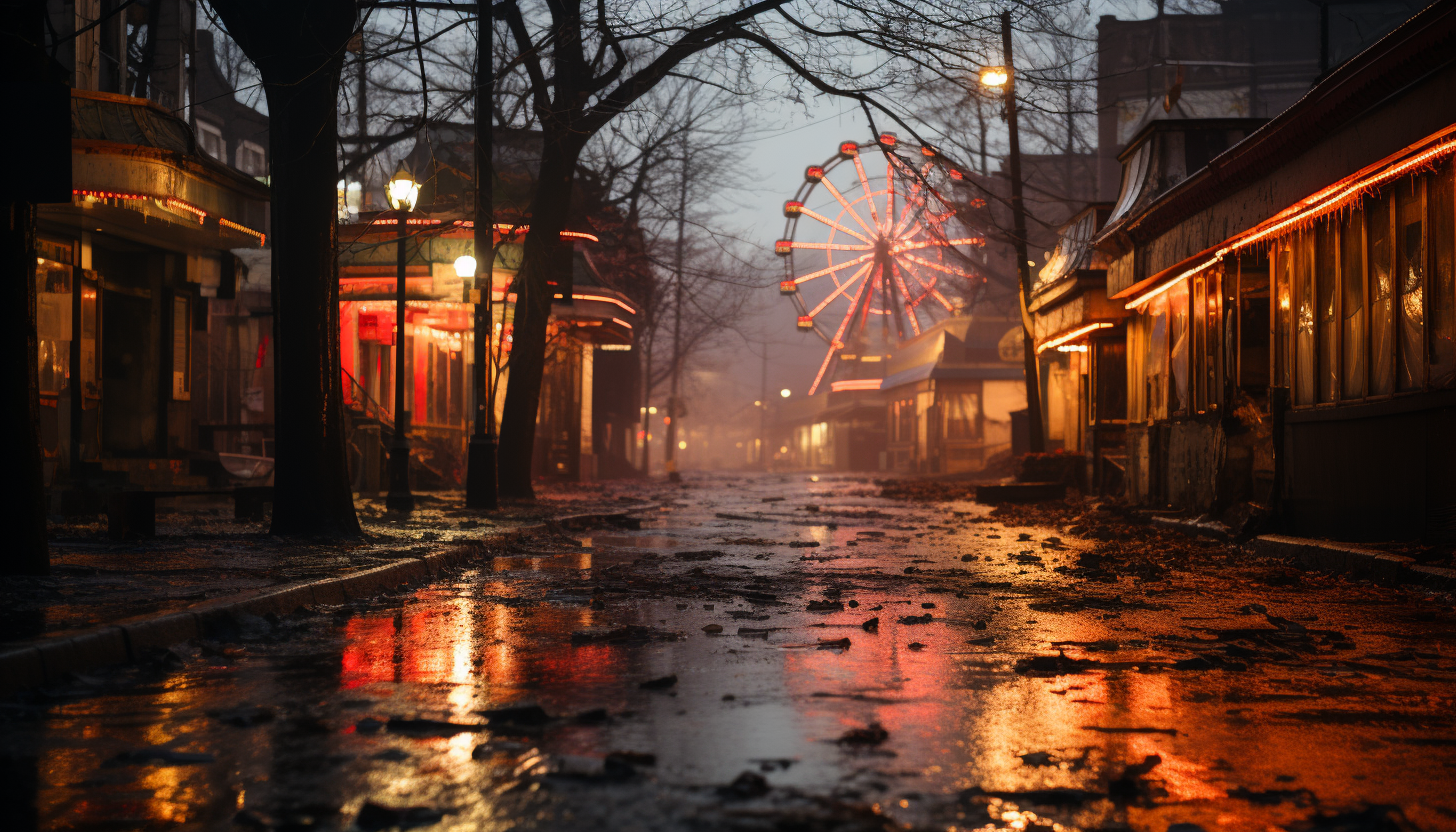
1327,312
1283,263
1198,334
1212,369
902,420
1253,323
1410,242
1155,376
1304,342
961,411
1380,273
1178,348
1441,196
1352,286
53,324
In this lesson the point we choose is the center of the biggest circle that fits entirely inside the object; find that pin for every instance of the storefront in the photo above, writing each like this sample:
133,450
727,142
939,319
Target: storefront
950,393
125,278
1293,326
439,347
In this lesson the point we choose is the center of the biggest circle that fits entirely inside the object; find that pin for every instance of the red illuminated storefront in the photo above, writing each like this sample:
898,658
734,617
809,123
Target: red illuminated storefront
439,344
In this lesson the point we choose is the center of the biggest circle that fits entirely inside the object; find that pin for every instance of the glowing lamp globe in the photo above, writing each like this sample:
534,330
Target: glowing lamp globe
995,77
402,189
465,266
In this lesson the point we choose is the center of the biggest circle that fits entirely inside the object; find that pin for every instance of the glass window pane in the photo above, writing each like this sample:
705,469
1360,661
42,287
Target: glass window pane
1157,358
1381,274
1327,309
1411,247
1253,359
1283,277
1178,350
1304,377
960,411
1352,276
1441,195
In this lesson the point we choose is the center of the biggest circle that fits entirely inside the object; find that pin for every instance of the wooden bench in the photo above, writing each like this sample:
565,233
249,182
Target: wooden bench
134,513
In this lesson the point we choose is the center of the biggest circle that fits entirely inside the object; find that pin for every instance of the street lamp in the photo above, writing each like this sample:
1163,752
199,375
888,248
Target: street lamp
1003,80
481,460
402,191
784,392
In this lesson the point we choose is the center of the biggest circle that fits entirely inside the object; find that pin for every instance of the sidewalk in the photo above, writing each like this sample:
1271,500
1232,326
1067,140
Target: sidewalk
108,602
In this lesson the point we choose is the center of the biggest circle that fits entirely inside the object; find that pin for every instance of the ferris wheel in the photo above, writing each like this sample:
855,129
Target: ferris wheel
883,252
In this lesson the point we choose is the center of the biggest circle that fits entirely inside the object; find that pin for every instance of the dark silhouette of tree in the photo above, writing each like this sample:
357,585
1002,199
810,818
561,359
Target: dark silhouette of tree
298,49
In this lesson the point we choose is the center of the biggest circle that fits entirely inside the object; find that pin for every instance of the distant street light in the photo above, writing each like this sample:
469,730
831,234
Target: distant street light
464,266
784,392
995,76
402,191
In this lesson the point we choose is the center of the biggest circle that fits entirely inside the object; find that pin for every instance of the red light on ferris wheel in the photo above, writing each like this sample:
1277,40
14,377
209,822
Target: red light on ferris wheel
849,150
792,208
783,247
788,287
806,322
955,174
888,139
927,150
814,173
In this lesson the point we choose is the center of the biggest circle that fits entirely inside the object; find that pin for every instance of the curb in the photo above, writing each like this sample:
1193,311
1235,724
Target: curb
48,661
1377,566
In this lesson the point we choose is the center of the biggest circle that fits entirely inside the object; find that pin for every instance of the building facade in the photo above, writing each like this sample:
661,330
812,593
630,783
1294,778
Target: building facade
1293,305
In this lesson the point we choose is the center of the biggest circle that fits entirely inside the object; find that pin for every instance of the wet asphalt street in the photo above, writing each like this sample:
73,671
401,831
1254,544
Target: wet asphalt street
776,653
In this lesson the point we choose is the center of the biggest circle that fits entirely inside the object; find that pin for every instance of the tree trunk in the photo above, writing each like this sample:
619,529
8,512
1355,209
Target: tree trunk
550,205
299,50
26,550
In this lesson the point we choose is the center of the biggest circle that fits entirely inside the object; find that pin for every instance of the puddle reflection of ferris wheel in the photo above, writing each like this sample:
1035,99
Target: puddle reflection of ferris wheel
874,250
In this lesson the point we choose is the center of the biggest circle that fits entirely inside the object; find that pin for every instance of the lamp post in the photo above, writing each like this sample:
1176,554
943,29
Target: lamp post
481,483
1003,79
402,191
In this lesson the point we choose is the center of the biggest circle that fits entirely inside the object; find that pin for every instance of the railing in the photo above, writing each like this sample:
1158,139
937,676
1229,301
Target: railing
379,414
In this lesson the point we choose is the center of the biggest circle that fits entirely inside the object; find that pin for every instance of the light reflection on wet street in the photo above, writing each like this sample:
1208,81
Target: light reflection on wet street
719,670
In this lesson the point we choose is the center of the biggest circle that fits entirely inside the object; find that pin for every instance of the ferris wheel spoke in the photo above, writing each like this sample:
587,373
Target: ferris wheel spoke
834,192
834,268
831,246
962,241
938,266
905,294
863,270
929,288
838,342
834,225
864,182
890,197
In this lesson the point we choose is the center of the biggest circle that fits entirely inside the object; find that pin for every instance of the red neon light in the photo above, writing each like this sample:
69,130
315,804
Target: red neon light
814,173
180,205
888,139
621,322
788,287
955,174
806,322
848,149
227,223
107,194
783,247
855,384
604,299
792,208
